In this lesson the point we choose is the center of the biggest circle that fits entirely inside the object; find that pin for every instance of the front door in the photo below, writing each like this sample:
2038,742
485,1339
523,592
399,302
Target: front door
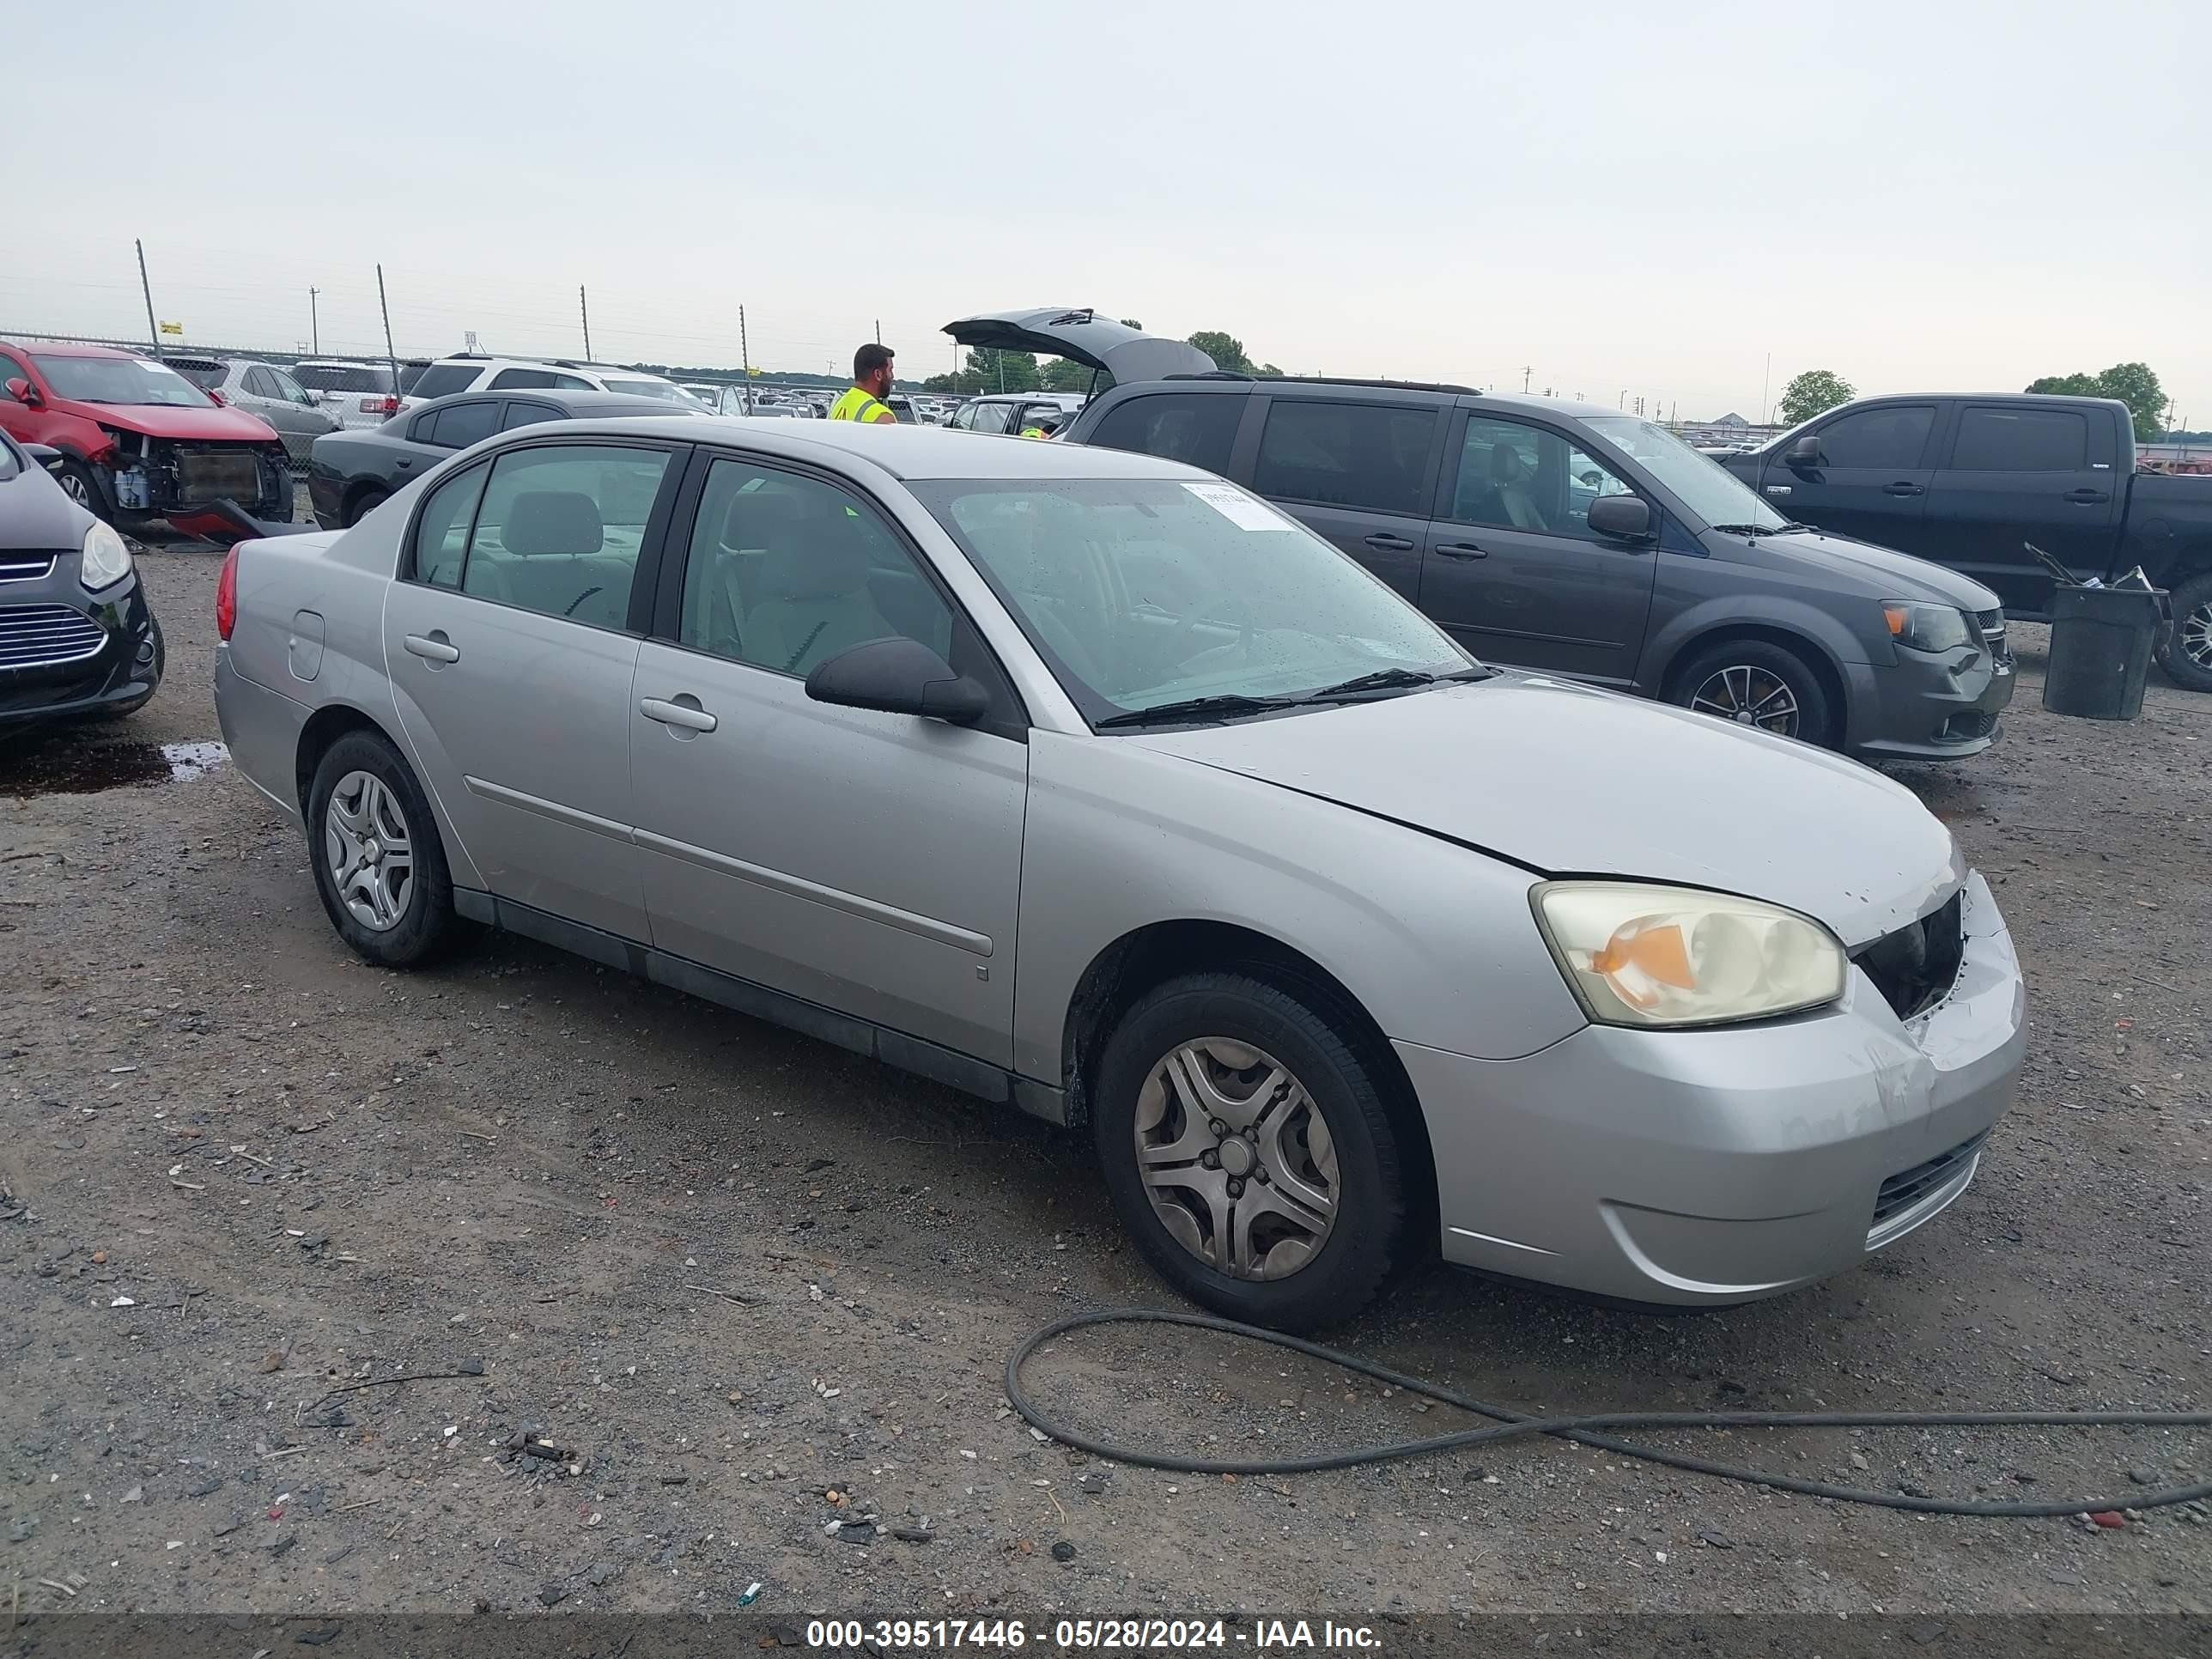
1871,481
869,863
511,654
1358,475
2020,474
1513,569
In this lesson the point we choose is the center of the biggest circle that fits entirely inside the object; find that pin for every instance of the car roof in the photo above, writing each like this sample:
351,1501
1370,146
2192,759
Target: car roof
69,348
910,452
576,402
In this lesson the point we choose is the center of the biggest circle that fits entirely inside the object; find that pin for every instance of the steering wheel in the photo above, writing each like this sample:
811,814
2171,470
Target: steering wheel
1187,625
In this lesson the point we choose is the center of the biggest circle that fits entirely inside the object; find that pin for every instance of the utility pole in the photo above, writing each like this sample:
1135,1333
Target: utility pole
745,350
152,328
383,306
1622,401
1765,384
314,325
879,330
584,306
1525,373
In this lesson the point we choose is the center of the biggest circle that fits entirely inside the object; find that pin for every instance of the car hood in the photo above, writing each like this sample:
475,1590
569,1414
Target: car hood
1568,781
217,425
1095,342
1899,575
35,516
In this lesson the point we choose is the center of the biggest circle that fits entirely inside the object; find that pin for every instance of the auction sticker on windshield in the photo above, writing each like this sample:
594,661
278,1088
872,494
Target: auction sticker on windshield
1233,504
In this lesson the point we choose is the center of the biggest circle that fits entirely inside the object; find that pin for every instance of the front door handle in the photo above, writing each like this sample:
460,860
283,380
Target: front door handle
1461,550
403,462
683,711
2086,497
1383,541
433,646
1904,489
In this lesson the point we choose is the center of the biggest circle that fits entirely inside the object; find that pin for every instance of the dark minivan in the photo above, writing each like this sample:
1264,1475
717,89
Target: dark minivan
1549,536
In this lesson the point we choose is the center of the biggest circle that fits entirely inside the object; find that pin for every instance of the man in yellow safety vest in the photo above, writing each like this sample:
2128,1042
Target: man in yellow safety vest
871,383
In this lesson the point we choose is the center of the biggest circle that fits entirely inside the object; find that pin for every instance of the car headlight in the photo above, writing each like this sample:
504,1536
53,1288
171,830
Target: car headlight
1643,956
106,560
1927,626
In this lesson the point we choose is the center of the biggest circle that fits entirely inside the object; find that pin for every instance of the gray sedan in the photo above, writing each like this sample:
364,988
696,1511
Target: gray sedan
1089,782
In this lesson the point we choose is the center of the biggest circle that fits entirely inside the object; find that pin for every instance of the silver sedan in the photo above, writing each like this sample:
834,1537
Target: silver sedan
1089,782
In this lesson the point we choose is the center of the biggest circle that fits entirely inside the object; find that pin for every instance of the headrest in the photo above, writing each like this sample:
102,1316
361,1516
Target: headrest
759,519
552,521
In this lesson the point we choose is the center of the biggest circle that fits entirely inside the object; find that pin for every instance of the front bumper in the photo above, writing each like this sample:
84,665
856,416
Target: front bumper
1923,706
1710,1167
107,663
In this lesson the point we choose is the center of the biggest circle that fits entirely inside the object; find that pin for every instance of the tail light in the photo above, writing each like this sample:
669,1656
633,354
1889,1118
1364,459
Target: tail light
226,596
379,406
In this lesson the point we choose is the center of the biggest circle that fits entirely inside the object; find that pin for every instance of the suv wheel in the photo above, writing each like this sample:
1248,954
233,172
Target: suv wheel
1249,1150
1757,682
379,867
2185,653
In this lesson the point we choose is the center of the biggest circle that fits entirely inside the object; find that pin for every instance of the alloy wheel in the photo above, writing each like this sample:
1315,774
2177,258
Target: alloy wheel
370,855
1236,1158
1749,697
2192,634
74,487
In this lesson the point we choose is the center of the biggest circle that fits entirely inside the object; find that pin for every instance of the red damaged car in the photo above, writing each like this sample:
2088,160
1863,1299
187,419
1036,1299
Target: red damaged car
138,440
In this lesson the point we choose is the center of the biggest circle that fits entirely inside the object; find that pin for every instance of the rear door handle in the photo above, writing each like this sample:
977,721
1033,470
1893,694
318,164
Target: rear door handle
2086,497
1902,489
685,713
1461,550
433,647
1383,542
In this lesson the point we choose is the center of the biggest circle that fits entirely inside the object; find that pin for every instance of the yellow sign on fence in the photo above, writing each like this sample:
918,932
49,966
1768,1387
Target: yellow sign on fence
177,329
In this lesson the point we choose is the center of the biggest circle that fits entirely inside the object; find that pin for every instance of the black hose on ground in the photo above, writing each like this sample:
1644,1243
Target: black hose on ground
1514,1425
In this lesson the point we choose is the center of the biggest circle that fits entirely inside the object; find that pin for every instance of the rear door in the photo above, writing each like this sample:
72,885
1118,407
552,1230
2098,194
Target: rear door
511,642
1511,566
1358,473
1871,480
2019,473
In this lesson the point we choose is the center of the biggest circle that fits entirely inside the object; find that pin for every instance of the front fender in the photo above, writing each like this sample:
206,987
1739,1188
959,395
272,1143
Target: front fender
1773,613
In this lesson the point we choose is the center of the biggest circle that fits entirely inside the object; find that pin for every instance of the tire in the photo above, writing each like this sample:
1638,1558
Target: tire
2185,652
82,485
362,505
1244,1034
421,925
1720,679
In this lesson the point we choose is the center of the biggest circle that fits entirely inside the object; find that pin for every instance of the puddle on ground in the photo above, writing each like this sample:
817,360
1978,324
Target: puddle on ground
69,763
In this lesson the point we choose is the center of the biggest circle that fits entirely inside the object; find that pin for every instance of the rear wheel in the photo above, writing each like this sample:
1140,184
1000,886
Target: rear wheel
1758,683
1248,1147
2185,653
361,505
379,867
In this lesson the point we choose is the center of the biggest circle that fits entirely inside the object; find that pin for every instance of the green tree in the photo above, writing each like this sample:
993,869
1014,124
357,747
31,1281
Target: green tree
2133,384
2067,386
1131,322
1065,374
1812,392
1269,372
1226,351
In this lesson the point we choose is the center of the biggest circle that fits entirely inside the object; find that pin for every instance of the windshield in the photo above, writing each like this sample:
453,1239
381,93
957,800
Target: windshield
1141,592
120,380
665,390
1697,481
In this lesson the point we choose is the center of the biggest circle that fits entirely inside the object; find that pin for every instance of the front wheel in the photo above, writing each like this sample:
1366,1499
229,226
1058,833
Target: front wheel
2185,653
82,485
379,867
1248,1147
1757,682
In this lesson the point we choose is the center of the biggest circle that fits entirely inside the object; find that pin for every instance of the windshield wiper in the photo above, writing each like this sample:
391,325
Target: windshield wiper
1223,706
1389,679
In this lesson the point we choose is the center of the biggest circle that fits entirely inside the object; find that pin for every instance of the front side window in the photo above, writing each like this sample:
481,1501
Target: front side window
289,389
1180,426
664,390
785,571
559,529
261,384
123,381
1359,455
460,425
1890,438
1140,592
990,417
441,534
442,380
1517,476
2020,440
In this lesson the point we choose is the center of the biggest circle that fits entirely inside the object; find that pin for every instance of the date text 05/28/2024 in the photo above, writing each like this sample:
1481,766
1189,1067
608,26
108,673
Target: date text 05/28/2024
1125,1635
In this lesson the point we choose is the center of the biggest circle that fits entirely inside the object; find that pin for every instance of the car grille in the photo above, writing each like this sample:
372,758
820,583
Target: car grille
210,474
1990,625
1968,724
1907,1187
1915,966
25,566
41,635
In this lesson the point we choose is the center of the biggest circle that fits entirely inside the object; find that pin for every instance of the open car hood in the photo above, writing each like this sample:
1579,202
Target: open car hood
1082,336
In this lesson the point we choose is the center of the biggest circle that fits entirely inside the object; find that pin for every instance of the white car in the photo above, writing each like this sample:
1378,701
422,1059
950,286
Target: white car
359,394
467,372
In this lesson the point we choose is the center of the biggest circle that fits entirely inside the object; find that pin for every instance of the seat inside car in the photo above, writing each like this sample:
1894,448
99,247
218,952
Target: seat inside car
554,540
815,599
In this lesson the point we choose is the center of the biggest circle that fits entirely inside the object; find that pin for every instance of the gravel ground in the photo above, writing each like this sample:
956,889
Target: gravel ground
745,1286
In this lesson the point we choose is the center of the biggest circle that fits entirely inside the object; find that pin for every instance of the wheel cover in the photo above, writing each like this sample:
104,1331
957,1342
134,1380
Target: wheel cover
369,851
1750,696
2193,634
1236,1158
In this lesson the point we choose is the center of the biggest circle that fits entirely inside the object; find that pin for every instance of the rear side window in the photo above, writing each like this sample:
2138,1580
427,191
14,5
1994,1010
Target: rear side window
441,380
1891,437
559,529
441,534
541,379
261,384
1182,426
528,414
2020,440
1362,455
461,425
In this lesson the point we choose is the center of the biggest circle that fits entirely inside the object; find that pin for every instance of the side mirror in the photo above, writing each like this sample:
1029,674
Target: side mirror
24,393
1621,518
1806,452
47,456
898,677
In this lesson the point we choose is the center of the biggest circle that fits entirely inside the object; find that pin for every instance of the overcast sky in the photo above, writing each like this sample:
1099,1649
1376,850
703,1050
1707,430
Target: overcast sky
1648,199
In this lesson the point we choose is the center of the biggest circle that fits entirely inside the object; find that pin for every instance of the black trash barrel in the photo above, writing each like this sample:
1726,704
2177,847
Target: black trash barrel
2100,646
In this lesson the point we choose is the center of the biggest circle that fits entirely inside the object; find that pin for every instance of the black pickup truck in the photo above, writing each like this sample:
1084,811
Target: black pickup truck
1966,481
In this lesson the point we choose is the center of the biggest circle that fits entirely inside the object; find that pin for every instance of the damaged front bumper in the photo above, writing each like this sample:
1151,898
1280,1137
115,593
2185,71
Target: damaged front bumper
150,477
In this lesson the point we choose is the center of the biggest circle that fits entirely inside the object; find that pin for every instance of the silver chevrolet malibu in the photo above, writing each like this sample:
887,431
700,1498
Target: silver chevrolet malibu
1089,782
